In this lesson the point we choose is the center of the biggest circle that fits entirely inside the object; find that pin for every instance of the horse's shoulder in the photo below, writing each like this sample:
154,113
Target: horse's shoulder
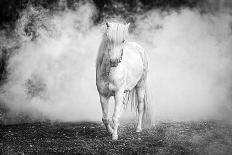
137,48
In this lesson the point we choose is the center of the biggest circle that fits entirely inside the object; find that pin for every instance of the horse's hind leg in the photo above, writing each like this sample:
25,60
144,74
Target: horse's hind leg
140,89
105,107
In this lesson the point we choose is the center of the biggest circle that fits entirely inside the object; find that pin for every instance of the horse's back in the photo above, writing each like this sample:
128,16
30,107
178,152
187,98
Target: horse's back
136,63
135,55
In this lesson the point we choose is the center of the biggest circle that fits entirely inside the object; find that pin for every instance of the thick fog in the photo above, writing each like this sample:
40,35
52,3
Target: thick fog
51,73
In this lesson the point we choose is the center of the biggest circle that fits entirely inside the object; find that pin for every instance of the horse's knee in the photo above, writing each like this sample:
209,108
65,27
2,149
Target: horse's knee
140,107
115,120
105,121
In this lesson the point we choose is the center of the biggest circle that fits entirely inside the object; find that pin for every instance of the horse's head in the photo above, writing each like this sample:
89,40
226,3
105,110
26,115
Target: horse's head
116,35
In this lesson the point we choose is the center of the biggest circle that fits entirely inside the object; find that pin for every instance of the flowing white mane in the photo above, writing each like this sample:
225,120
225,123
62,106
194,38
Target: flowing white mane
116,33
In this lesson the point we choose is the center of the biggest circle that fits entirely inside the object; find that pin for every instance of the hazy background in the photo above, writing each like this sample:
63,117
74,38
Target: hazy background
48,51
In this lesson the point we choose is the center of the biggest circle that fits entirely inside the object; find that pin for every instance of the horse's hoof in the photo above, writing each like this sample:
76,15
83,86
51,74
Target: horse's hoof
114,137
138,130
110,130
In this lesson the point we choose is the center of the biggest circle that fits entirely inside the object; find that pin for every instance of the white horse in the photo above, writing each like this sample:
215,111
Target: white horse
121,71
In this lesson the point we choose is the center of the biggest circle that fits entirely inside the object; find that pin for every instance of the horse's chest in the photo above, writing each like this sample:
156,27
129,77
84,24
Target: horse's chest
110,79
106,88
110,84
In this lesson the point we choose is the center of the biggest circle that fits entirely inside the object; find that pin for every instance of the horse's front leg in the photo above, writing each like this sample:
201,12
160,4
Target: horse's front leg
105,108
117,112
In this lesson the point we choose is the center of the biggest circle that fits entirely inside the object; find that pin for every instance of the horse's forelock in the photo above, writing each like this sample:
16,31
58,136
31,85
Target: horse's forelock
116,33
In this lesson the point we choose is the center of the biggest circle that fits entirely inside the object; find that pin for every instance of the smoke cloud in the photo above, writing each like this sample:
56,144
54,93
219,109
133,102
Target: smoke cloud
190,63
52,71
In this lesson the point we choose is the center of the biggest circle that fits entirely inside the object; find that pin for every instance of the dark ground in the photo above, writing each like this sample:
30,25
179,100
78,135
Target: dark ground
91,138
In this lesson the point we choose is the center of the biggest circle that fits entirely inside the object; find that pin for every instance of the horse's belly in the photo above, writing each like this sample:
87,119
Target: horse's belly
135,69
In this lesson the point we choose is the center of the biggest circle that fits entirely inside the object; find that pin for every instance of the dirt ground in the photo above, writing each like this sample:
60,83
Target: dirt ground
91,138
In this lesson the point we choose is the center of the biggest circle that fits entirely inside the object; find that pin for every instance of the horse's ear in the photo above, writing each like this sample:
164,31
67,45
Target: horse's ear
127,27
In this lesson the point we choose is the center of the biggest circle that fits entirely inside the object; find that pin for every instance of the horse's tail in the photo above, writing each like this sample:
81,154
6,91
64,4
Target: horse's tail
132,99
